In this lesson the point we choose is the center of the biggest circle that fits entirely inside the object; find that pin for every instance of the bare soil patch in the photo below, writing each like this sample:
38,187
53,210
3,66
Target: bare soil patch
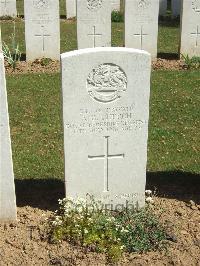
54,66
23,243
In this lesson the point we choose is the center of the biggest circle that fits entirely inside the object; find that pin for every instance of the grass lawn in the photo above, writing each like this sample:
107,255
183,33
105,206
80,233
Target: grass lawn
35,116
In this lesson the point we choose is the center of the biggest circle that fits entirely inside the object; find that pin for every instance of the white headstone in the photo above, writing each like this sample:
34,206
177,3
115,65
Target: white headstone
176,7
190,28
141,25
7,189
42,29
93,23
105,116
8,8
115,5
0,41
71,8
163,7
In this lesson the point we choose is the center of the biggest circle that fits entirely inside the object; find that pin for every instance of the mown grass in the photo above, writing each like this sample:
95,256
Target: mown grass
36,124
168,38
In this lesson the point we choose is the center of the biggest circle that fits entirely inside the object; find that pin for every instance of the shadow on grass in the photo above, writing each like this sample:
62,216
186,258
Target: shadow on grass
168,56
169,22
178,185
44,193
39,193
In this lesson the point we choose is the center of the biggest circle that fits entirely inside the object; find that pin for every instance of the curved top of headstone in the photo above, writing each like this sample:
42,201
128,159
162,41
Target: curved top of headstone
104,49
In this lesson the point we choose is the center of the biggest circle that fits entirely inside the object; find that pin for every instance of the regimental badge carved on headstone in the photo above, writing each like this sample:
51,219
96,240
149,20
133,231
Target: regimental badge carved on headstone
94,5
196,6
41,3
106,83
143,4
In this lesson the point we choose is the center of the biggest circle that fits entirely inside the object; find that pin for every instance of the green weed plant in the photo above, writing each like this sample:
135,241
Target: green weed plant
87,223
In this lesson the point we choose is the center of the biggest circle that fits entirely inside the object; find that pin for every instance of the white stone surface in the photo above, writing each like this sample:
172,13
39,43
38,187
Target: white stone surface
176,7
141,25
0,41
93,23
8,8
163,7
71,8
105,116
7,189
115,5
42,29
190,28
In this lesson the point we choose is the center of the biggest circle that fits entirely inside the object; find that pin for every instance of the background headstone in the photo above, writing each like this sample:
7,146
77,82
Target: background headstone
163,7
42,29
71,8
105,112
93,23
190,28
176,7
141,25
0,41
8,8
115,5
7,189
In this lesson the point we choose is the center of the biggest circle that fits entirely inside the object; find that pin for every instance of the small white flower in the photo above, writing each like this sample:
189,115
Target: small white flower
148,192
149,200
123,230
86,231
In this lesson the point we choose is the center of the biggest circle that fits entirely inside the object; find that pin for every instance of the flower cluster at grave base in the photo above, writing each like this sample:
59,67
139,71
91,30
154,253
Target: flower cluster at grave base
83,222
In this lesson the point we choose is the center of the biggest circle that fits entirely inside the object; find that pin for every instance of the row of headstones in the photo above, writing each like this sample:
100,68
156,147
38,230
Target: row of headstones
8,7
175,7
105,112
42,26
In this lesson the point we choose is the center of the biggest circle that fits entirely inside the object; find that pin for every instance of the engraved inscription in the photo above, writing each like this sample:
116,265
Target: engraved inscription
197,36
106,121
196,5
5,2
94,5
106,156
106,83
41,3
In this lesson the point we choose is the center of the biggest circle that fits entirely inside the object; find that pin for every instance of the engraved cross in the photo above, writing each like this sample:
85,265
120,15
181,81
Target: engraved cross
5,2
94,35
43,35
141,35
196,34
106,156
